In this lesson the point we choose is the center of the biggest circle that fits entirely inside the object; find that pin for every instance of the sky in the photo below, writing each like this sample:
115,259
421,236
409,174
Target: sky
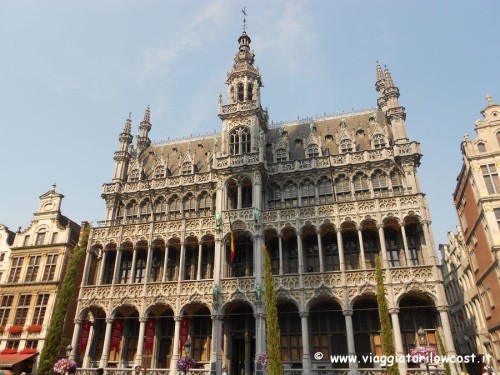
71,72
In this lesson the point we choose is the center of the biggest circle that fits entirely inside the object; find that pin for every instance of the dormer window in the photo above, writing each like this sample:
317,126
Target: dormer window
346,145
281,155
313,151
160,171
187,168
134,175
481,147
40,238
239,141
378,141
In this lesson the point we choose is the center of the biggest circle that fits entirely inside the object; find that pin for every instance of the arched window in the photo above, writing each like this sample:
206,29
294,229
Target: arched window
379,183
120,211
343,188
205,205
160,207
313,151
378,141
132,210
241,92
281,155
145,209
232,195
160,171
325,190
246,193
346,145
274,196
189,206
134,175
239,141
307,192
396,182
174,207
187,168
481,147
250,91
290,194
361,188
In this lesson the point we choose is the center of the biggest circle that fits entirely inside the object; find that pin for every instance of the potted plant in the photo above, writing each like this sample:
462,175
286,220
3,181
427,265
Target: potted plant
28,351
8,351
262,359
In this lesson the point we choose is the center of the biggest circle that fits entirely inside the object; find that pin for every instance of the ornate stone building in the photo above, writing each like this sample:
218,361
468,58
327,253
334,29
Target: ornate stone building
477,201
6,239
36,267
324,195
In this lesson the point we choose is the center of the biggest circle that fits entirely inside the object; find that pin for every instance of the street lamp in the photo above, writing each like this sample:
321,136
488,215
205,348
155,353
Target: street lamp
187,346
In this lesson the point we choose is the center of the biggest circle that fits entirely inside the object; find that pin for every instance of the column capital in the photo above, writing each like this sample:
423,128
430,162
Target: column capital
217,317
177,318
442,308
109,320
394,310
77,321
143,319
304,314
347,312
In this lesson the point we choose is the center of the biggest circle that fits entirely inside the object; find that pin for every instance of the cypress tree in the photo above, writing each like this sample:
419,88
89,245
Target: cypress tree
273,335
50,352
385,319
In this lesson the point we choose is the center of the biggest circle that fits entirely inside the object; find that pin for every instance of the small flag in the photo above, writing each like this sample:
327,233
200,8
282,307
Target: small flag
233,250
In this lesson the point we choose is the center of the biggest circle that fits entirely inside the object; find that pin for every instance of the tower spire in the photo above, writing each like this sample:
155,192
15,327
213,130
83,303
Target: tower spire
143,140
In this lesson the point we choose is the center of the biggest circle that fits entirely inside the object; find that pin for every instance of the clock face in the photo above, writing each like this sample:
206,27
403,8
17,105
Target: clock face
48,206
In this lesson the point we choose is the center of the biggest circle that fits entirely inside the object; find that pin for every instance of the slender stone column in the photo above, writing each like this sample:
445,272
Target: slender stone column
86,356
102,265
74,339
351,350
131,279
200,254
300,254
107,343
181,261
429,249
165,264
361,249
409,262
398,343
260,334
340,245
306,354
216,356
280,243
320,250
239,196
86,267
383,248
116,271
445,323
175,352
140,343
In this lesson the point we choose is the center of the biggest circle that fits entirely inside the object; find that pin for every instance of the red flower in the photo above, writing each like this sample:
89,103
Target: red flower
8,351
15,330
28,351
34,328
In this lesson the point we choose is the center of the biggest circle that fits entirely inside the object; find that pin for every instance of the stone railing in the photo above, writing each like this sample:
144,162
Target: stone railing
345,159
236,107
237,160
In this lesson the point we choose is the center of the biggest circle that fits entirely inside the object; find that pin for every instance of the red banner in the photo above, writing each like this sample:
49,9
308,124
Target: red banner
184,332
116,334
84,335
150,335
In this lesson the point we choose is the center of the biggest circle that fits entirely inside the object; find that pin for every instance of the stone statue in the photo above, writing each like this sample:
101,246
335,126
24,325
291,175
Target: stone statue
312,127
216,293
218,219
256,214
258,292
261,134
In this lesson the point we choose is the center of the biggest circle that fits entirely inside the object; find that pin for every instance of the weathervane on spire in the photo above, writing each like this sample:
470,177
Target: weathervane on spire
244,11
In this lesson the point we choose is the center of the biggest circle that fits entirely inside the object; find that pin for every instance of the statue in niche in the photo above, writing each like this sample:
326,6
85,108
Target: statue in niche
256,214
258,293
216,293
218,219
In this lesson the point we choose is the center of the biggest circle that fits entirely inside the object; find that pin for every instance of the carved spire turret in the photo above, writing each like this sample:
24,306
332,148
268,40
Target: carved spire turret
143,140
122,157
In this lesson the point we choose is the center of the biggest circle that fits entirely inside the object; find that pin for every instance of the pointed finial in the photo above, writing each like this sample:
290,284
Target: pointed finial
380,74
53,187
244,11
489,99
128,124
388,77
466,137
147,114
220,97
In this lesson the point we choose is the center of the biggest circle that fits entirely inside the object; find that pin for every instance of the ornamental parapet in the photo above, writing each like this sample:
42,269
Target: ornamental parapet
237,160
238,107
158,183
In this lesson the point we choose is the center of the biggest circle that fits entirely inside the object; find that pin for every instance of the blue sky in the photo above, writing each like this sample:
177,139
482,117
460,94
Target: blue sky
70,72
